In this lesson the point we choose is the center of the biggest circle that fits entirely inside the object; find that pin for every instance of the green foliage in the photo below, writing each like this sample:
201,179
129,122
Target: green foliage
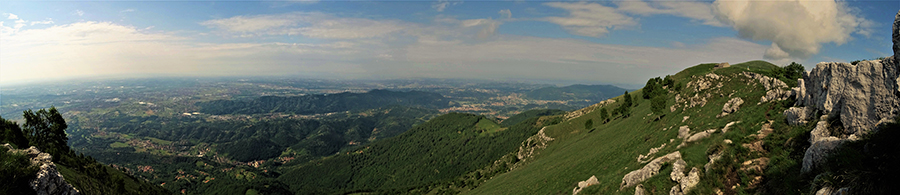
318,104
654,87
11,133
516,119
46,130
589,124
604,115
658,105
17,172
794,71
629,101
441,149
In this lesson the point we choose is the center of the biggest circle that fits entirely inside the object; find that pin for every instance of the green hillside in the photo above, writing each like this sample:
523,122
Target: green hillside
431,153
611,150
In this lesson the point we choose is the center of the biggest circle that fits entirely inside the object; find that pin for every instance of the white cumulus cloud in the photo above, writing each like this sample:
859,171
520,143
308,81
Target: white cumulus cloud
590,19
796,28
11,16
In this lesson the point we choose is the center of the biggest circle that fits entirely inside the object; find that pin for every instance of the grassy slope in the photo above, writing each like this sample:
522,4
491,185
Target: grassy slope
610,151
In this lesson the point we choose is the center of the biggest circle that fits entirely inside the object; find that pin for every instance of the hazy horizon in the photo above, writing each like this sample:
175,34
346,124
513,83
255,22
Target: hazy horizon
590,42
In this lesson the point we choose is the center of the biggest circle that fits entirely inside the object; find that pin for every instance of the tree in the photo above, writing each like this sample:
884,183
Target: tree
794,71
625,107
12,134
628,101
604,115
652,87
46,130
658,105
589,124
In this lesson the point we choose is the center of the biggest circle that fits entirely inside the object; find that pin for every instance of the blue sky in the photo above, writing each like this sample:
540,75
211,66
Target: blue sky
613,42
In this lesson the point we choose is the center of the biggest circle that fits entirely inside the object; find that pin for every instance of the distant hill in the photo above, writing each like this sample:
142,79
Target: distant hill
325,103
593,93
516,119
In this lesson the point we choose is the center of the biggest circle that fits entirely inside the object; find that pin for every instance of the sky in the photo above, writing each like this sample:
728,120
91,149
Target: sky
594,42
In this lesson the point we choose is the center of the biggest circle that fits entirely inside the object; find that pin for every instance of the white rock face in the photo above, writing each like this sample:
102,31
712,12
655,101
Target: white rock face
860,94
48,180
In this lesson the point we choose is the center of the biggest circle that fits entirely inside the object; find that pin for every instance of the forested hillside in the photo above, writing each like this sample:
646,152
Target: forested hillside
325,103
432,153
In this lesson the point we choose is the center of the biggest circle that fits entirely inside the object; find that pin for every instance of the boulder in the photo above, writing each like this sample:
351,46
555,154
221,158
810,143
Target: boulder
583,184
728,126
731,106
684,132
817,153
637,176
700,135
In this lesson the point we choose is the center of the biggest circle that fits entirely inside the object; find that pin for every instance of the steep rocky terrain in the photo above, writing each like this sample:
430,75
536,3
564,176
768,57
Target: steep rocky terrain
48,180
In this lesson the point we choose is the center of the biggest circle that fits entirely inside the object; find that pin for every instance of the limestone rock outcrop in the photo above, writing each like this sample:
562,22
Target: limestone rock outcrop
685,183
637,176
860,95
775,89
532,144
731,106
48,180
